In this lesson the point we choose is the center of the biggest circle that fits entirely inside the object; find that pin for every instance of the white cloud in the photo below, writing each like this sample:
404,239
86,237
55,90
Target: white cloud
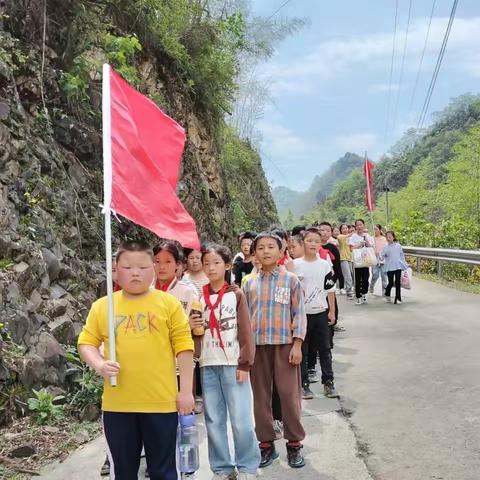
280,142
357,142
333,58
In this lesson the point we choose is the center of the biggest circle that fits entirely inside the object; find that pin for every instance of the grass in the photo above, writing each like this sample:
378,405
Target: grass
460,285
6,263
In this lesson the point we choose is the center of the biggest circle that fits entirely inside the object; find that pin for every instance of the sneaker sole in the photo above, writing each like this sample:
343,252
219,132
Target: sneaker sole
308,397
332,396
297,465
272,459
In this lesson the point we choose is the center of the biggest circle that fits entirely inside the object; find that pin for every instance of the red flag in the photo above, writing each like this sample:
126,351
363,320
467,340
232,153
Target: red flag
146,146
368,167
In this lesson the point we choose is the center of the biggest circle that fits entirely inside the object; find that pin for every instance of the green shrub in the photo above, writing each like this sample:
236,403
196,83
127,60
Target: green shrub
43,408
88,384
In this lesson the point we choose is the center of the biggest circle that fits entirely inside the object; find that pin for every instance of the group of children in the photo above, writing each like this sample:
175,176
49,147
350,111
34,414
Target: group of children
264,319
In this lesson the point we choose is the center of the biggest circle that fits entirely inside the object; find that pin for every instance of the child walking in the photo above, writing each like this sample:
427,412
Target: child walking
394,264
227,354
167,259
346,259
276,303
194,273
152,331
379,269
243,266
318,282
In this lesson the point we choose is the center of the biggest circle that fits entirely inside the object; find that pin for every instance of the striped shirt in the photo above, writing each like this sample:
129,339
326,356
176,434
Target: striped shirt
277,307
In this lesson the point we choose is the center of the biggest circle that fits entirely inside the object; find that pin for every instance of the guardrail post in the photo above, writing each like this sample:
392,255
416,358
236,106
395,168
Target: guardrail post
418,264
439,268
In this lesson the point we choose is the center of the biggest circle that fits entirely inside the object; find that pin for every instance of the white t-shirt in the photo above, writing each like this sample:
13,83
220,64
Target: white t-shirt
316,280
226,313
355,239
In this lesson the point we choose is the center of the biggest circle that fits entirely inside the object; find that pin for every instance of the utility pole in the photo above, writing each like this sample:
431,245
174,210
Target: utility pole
386,190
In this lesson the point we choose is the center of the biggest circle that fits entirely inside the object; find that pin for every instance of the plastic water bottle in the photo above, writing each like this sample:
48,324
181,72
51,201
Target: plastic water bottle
187,444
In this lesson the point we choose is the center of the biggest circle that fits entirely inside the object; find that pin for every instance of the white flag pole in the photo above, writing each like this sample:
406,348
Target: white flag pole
369,193
107,200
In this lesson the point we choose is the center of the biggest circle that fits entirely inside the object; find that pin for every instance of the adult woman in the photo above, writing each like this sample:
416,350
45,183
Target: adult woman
361,239
379,270
395,262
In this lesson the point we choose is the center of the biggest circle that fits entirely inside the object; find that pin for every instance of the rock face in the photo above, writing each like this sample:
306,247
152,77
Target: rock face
51,228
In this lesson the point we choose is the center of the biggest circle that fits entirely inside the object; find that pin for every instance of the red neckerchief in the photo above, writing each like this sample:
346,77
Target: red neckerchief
325,253
213,320
284,259
166,286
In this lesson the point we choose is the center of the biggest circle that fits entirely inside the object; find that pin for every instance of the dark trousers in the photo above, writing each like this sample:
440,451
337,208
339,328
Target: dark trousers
272,366
126,433
361,281
276,405
394,277
318,339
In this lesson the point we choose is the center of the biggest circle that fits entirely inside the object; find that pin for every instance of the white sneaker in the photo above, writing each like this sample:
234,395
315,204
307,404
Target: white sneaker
343,291
364,299
398,302
388,299
358,301
337,291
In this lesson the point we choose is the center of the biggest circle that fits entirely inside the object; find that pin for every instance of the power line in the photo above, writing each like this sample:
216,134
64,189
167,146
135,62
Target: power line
278,9
391,71
441,54
422,57
395,112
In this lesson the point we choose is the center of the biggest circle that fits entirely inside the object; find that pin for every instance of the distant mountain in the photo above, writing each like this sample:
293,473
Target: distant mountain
301,203
284,198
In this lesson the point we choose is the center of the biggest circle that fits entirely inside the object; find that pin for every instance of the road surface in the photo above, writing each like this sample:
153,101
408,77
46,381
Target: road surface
409,379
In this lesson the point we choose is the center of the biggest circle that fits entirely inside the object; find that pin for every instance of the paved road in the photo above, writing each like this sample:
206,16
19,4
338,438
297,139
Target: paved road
330,449
410,385
410,377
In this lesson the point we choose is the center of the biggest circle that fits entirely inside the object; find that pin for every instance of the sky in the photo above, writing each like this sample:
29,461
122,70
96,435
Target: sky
330,82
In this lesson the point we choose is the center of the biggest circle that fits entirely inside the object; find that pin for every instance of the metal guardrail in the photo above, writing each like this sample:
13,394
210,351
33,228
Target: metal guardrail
441,255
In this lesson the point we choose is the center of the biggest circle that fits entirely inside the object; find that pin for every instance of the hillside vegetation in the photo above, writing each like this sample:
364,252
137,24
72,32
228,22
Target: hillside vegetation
186,56
434,182
295,204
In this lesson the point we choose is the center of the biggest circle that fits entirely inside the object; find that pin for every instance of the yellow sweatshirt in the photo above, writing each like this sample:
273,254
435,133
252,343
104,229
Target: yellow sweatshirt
150,332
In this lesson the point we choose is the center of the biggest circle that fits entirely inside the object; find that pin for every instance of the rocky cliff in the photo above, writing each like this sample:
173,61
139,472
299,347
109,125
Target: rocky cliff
51,231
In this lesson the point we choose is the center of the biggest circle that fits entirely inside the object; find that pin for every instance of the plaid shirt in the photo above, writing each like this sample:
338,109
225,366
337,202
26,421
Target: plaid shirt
277,307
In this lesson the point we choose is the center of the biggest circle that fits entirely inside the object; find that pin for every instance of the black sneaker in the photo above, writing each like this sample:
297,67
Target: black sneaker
295,456
269,454
307,394
329,390
105,470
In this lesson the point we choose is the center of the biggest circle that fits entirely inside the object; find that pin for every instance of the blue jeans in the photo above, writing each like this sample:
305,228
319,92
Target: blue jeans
221,394
379,271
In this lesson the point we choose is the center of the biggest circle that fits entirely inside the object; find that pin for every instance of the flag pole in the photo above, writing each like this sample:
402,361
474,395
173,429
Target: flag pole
107,200
367,180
